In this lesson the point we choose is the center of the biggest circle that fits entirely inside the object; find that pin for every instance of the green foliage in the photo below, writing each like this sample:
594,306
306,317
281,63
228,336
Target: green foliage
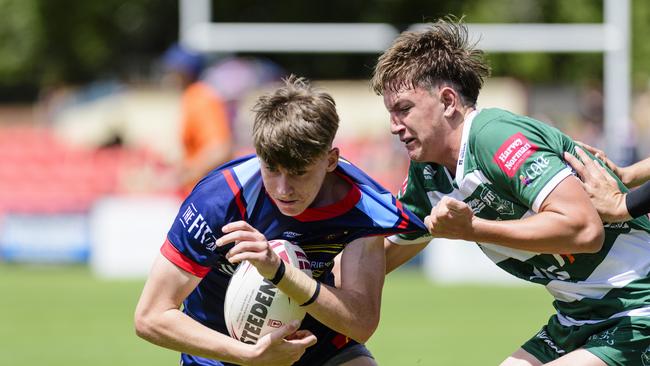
45,42
20,40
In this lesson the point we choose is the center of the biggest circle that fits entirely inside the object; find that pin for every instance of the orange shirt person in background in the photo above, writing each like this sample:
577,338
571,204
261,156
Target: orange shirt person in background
206,135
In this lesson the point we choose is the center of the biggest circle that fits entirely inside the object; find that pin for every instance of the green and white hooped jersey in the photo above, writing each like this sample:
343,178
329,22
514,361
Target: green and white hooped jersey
508,164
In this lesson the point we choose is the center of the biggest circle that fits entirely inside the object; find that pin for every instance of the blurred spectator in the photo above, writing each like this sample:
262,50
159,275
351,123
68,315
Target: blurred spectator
234,77
239,79
205,124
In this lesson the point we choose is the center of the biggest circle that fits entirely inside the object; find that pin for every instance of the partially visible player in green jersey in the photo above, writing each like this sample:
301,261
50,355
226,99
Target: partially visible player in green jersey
499,179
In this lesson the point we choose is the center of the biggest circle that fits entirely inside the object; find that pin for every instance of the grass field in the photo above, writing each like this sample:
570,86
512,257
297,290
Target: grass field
59,316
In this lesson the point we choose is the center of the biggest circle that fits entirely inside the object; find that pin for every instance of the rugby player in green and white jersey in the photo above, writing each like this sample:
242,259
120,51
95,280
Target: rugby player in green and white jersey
499,179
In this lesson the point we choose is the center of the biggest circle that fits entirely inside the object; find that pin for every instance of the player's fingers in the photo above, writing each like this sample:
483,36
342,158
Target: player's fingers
306,339
455,205
240,235
610,164
586,160
246,251
606,175
591,149
428,223
287,329
575,163
299,334
237,225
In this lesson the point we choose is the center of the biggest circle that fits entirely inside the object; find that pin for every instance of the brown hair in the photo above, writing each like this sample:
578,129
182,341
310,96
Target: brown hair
294,125
439,54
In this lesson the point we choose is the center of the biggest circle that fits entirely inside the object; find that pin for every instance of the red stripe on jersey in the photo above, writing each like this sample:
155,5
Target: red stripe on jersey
236,191
169,251
327,212
405,218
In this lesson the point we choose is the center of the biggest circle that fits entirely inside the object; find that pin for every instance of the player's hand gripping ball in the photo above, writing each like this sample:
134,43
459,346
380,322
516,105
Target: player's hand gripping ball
253,306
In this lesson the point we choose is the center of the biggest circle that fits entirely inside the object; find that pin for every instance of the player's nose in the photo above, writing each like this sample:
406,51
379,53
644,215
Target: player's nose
284,187
396,124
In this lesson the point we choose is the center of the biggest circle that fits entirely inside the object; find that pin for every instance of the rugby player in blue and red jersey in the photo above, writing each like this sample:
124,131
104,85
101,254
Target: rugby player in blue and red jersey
296,188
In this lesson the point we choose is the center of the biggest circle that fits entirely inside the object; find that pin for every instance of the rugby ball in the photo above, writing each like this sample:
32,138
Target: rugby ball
253,306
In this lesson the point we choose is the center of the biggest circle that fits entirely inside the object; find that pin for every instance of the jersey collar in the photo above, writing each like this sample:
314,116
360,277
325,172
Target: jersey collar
336,209
462,152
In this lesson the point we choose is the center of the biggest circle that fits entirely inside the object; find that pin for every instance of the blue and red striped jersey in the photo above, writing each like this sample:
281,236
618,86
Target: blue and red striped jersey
235,191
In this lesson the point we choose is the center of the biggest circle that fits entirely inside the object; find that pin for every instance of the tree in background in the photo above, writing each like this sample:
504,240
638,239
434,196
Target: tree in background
49,42
46,42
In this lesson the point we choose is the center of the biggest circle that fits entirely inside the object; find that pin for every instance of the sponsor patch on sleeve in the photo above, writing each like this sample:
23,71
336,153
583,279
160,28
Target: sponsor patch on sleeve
513,152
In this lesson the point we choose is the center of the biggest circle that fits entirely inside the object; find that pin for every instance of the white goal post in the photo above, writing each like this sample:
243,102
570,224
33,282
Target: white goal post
612,38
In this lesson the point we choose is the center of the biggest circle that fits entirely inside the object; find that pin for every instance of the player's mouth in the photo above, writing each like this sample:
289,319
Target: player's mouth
286,203
409,142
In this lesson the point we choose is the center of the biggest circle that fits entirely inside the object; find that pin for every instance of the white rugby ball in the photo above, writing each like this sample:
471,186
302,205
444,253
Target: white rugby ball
253,306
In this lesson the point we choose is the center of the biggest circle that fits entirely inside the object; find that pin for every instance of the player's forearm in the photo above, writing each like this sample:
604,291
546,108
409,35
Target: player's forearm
351,313
348,312
636,174
175,330
546,232
397,254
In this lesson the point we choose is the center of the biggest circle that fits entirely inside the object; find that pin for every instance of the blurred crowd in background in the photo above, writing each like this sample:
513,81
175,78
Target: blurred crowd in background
98,99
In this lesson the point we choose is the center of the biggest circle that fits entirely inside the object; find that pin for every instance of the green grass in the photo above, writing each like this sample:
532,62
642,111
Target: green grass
427,324
64,316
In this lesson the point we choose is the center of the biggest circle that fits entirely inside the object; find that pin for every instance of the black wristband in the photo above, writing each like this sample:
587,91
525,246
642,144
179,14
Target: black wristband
314,296
278,274
638,201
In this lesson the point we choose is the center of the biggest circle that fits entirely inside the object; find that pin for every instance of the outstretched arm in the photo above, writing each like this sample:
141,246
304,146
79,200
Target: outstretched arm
351,309
612,204
397,254
632,176
159,320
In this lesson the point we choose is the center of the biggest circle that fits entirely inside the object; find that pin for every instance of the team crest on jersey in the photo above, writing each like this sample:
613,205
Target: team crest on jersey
513,153
497,203
476,205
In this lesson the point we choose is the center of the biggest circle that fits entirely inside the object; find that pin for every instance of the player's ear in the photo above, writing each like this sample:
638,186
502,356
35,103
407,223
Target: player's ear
450,99
332,159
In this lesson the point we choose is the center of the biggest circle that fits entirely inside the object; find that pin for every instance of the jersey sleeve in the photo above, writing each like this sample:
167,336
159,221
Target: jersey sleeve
413,197
522,158
191,240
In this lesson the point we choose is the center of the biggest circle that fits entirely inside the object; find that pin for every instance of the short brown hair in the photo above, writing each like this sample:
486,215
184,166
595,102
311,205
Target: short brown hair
294,125
439,54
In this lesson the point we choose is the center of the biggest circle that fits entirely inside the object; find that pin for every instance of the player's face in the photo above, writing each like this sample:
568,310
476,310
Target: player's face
416,117
294,192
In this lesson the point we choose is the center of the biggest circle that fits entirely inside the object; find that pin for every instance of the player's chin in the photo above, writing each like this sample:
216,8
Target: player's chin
416,155
290,208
